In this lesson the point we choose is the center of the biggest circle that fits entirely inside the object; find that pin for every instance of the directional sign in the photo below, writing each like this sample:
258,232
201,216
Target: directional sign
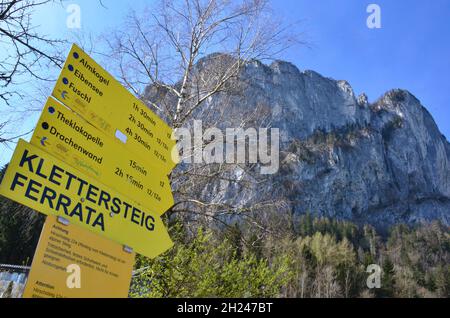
63,134
48,185
85,87
72,262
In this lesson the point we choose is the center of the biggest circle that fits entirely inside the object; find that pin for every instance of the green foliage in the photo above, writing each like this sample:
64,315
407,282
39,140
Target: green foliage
320,258
206,267
312,257
421,260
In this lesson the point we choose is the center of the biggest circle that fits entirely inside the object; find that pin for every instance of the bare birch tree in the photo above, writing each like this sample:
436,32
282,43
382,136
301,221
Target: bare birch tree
164,56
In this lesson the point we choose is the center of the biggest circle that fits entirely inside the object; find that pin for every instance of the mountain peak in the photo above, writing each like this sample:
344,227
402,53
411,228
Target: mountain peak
381,163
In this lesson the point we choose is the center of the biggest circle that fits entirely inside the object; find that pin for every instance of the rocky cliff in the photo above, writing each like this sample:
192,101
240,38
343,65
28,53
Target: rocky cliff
384,162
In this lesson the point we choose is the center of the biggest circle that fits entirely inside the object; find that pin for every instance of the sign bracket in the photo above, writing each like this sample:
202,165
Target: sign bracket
63,221
127,249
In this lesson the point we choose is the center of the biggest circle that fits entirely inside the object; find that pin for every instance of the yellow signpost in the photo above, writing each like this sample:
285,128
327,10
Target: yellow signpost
52,187
100,166
72,262
85,87
65,135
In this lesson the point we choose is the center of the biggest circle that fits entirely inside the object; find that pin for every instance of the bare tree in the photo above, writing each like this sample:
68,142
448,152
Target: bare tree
25,51
162,47
26,54
164,56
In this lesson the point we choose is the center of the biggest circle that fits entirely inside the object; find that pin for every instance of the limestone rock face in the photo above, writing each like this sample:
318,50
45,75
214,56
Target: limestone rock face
383,163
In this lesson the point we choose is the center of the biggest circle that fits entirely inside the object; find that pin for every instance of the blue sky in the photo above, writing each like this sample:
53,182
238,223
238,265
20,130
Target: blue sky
410,51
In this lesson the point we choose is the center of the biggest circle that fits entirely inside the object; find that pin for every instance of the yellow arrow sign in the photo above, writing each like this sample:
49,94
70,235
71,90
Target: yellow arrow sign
52,187
85,87
68,137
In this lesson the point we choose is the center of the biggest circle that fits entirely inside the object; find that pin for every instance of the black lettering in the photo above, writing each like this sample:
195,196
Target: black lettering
127,206
64,202
27,159
77,211
17,182
105,197
116,205
99,221
90,211
92,193
32,189
54,174
39,169
69,181
150,226
82,184
142,219
49,198
135,214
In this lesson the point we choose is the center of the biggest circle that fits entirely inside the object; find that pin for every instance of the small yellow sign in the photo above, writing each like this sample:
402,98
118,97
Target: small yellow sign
50,186
68,137
71,262
85,87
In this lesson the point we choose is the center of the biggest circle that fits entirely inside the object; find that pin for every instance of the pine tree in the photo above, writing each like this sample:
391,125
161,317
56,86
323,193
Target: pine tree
387,280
